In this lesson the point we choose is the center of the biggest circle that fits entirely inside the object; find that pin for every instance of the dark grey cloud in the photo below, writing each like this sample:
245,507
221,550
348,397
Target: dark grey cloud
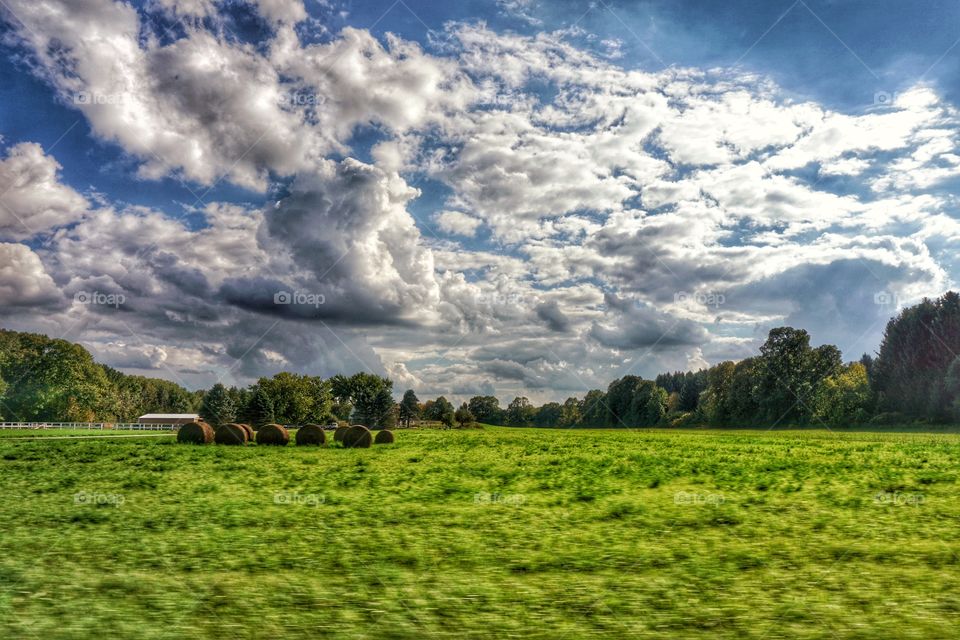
639,326
553,316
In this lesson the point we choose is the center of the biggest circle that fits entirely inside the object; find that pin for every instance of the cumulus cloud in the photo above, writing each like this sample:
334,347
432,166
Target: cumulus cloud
347,225
23,280
457,222
631,220
32,198
638,326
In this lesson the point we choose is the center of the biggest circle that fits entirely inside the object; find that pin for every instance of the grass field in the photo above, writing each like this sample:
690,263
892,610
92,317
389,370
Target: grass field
20,434
485,534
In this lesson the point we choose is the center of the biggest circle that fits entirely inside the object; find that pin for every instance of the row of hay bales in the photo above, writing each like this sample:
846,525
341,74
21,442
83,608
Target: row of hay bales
352,437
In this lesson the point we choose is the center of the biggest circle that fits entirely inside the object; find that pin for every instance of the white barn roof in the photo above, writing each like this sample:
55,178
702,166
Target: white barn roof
168,416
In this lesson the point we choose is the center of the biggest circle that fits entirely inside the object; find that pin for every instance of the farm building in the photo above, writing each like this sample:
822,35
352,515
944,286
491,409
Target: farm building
168,418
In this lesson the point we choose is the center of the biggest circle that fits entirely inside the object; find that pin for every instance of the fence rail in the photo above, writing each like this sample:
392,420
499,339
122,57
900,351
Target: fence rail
96,426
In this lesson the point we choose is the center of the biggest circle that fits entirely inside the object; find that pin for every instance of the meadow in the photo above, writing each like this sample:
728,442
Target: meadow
488,533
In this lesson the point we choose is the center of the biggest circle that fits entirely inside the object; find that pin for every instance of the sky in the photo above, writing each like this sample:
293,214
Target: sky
506,197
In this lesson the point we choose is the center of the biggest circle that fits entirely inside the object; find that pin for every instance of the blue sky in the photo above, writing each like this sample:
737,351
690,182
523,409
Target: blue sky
512,197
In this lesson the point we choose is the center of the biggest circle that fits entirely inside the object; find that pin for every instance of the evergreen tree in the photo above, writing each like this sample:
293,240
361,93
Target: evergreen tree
918,347
217,407
260,410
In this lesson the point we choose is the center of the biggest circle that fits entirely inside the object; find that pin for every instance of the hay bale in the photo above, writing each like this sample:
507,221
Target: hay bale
339,433
273,434
357,436
230,434
195,433
384,437
311,434
251,434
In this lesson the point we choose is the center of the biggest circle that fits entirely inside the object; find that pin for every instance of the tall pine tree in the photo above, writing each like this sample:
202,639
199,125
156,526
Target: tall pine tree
217,407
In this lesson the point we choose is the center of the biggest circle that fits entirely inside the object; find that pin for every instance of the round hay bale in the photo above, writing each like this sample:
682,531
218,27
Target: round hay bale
339,433
251,434
357,436
230,434
384,437
195,433
273,434
311,434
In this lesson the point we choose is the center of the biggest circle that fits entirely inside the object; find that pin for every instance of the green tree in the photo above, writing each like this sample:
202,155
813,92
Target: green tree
789,372
621,409
520,413
464,416
448,416
548,415
742,403
843,399
437,409
53,380
486,409
649,405
260,410
569,413
593,409
714,403
952,389
217,408
372,398
298,399
917,350
409,408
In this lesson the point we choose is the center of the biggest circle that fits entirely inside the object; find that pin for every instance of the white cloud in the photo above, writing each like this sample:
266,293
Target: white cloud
606,196
457,222
32,198
23,280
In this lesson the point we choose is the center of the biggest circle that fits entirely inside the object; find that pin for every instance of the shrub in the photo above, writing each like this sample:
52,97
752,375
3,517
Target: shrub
273,434
327,418
357,436
683,419
890,419
195,433
311,434
230,434
339,433
384,437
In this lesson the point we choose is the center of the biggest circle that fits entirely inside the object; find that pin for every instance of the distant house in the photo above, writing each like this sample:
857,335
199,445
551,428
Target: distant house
168,418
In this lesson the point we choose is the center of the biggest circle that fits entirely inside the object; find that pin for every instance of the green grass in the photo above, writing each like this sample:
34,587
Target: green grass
20,434
652,534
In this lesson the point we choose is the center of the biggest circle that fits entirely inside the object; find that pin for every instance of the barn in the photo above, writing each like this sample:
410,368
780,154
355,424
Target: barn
168,418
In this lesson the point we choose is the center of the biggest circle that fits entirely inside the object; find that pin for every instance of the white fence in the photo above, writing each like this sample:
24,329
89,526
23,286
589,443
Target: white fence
125,426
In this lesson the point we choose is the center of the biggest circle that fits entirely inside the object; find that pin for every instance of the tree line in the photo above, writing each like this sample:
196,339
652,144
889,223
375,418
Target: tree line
44,379
914,377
